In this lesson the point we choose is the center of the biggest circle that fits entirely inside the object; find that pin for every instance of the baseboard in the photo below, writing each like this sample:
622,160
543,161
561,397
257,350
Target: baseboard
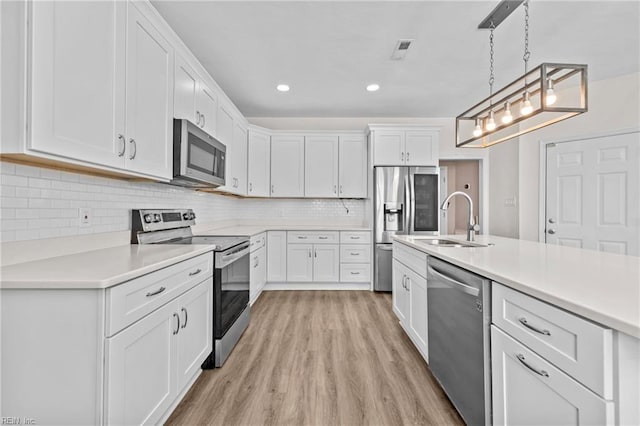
316,286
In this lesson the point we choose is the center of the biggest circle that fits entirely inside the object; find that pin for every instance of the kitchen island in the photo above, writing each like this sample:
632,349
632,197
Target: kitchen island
564,325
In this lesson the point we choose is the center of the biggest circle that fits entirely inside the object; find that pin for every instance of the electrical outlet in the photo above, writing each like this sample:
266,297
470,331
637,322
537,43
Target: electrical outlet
85,217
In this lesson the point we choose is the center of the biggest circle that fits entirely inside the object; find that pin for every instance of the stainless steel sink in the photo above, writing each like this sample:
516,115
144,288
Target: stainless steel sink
448,243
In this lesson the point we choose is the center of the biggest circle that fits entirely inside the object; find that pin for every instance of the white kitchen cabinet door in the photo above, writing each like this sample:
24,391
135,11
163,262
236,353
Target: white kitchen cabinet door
300,262
326,262
207,108
185,89
352,167
287,166
262,268
224,134
388,148
276,256
400,292
321,166
195,338
421,148
529,390
258,274
240,159
418,311
149,92
78,80
258,164
140,369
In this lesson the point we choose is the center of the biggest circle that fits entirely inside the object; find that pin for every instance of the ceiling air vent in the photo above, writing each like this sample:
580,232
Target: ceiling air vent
400,51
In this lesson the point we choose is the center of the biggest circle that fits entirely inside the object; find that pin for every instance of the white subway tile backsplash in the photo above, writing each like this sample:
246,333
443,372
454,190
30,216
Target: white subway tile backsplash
41,203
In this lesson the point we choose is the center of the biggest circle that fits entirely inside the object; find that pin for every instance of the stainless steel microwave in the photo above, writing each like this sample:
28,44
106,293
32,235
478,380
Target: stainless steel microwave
198,158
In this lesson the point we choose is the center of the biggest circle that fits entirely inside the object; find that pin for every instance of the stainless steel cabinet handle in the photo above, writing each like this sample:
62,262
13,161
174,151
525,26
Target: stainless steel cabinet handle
551,231
355,254
123,145
408,282
402,156
341,189
302,237
186,317
309,253
250,187
196,272
408,156
335,189
203,120
132,142
323,238
158,291
355,238
315,253
524,322
535,370
273,189
355,273
177,317
257,261
198,118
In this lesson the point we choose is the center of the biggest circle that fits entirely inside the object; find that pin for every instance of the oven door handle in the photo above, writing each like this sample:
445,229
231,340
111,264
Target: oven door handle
223,260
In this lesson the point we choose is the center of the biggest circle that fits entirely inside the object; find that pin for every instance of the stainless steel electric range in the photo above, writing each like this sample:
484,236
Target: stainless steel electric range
231,272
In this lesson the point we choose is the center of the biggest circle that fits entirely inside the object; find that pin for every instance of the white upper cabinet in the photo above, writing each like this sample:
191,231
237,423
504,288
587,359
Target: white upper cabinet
287,166
321,166
404,147
258,164
225,135
239,168
97,96
207,109
149,94
352,170
78,82
185,89
421,148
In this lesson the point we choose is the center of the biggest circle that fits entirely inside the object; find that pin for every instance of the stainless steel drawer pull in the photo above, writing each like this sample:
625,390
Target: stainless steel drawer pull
355,238
300,237
158,291
123,145
355,273
133,144
323,238
177,317
196,272
186,317
355,254
535,370
524,322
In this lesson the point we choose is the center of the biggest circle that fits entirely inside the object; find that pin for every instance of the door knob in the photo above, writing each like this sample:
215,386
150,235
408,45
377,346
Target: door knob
551,220
551,231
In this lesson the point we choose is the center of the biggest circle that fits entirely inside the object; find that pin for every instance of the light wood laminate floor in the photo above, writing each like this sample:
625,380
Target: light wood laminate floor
319,358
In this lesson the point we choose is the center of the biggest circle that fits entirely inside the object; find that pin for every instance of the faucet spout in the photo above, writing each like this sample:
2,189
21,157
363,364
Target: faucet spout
471,227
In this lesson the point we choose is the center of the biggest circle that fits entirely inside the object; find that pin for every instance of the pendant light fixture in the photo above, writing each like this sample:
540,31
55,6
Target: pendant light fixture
545,95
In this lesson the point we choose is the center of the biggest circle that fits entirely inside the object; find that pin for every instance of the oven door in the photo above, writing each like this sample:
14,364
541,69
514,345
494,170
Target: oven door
231,287
199,158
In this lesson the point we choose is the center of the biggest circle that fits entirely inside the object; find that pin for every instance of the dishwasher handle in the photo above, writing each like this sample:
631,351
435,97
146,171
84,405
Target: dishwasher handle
454,283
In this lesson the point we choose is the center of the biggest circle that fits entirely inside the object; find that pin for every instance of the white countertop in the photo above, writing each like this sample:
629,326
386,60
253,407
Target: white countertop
97,269
602,287
251,230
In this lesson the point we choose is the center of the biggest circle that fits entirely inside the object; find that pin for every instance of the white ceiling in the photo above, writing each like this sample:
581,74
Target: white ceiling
329,51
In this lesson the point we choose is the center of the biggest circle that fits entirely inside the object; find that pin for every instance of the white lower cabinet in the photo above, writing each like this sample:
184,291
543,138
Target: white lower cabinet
418,311
276,256
326,262
149,363
258,273
300,262
400,291
529,390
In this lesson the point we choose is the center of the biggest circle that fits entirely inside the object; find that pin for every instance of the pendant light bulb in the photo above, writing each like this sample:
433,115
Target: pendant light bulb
477,131
507,117
550,96
491,123
526,107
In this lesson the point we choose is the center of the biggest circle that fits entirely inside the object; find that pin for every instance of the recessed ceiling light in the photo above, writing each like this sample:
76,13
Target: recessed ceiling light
282,88
373,87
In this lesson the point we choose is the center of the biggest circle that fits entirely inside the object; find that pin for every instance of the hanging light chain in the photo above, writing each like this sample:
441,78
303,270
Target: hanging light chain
491,76
527,53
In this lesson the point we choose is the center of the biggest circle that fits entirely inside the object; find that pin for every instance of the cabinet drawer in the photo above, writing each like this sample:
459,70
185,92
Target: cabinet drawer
527,389
355,237
306,237
577,346
412,258
355,272
353,253
128,302
257,241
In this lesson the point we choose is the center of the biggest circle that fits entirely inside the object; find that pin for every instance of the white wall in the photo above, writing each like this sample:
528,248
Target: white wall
614,104
503,179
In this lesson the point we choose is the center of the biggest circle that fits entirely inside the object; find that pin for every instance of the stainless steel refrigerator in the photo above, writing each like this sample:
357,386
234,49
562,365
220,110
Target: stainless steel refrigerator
406,201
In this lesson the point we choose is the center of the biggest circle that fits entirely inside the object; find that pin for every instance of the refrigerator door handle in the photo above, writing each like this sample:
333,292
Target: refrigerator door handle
409,203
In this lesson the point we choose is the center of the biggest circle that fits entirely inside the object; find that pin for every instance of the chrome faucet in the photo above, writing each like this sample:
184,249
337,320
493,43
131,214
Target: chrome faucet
471,227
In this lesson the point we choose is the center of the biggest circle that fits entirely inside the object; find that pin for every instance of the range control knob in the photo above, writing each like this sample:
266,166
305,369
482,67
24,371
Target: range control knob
192,215
147,218
157,218
186,216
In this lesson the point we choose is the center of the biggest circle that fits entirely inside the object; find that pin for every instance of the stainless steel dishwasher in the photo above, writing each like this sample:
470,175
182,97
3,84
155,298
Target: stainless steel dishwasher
459,317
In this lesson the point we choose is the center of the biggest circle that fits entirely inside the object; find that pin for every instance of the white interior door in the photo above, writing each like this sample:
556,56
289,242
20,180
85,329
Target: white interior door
593,194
